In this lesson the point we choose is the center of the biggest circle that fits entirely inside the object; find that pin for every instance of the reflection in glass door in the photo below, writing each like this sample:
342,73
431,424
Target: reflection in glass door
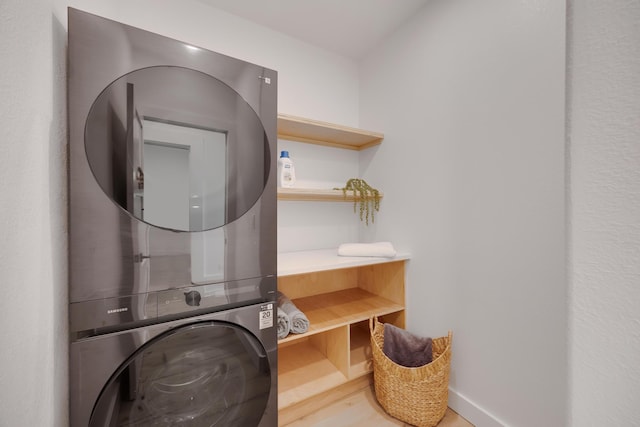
186,189
166,195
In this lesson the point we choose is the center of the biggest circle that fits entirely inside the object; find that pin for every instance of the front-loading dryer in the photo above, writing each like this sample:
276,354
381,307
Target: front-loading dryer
218,369
172,151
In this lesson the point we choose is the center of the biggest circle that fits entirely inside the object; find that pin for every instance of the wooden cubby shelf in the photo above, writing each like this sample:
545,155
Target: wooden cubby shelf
338,295
322,133
304,371
341,308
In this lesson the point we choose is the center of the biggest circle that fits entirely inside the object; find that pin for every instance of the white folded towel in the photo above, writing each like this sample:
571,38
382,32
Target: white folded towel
378,249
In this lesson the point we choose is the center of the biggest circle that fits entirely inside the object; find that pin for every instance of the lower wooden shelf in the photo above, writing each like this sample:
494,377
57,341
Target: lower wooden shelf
304,371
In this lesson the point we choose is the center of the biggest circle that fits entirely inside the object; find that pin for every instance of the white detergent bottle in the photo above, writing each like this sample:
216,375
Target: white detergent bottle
286,171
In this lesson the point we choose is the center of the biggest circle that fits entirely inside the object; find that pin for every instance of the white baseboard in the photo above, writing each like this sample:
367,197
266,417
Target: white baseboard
472,412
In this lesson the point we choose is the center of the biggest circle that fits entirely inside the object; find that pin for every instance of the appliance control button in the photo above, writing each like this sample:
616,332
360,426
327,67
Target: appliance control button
192,298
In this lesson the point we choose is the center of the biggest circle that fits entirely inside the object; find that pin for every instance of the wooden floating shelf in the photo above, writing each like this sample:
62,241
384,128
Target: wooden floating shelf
322,133
315,194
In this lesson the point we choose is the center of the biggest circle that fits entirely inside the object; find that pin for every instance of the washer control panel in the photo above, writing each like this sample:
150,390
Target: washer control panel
100,316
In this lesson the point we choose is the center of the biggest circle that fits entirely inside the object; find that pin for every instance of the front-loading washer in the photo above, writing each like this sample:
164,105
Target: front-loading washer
216,369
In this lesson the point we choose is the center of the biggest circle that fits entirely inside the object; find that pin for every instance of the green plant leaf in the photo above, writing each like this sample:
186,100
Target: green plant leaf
364,196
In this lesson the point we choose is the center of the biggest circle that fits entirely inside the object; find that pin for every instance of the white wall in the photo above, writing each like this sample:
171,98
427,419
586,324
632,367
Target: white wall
33,321
604,141
312,82
470,96
318,225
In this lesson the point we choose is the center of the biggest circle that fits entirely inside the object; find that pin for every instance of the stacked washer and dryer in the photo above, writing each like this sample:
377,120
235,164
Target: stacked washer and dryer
172,232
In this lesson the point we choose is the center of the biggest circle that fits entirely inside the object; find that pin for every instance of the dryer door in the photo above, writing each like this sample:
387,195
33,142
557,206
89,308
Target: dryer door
203,374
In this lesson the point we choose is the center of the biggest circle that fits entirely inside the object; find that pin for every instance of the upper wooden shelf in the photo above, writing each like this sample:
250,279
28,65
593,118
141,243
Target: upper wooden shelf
322,133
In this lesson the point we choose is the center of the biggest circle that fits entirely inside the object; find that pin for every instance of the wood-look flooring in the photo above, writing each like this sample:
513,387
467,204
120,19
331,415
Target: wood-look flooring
360,409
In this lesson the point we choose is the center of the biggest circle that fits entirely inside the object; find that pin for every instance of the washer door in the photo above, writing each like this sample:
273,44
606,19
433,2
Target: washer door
203,374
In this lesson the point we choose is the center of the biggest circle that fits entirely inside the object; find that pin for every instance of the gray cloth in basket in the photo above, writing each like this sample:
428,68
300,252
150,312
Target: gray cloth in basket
284,324
298,320
406,349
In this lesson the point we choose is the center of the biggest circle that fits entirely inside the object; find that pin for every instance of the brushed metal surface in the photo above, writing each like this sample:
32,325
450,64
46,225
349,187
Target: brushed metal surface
113,254
101,356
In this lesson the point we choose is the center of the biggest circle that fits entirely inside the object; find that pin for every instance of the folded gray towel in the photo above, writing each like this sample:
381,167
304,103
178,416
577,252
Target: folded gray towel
406,349
284,324
299,322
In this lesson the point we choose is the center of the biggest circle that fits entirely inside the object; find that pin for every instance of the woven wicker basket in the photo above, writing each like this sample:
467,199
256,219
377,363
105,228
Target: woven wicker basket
417,396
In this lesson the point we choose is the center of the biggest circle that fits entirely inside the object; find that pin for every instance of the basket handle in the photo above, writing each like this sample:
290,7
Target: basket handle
373,320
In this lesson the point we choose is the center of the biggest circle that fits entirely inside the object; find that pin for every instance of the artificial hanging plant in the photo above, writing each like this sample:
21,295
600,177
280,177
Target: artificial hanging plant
365,195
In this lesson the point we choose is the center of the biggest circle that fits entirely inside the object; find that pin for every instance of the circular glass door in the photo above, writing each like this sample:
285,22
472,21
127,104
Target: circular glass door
201,375
177,148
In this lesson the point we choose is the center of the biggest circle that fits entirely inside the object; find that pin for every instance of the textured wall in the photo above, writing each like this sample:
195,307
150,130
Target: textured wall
604,143
470,96
33,359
